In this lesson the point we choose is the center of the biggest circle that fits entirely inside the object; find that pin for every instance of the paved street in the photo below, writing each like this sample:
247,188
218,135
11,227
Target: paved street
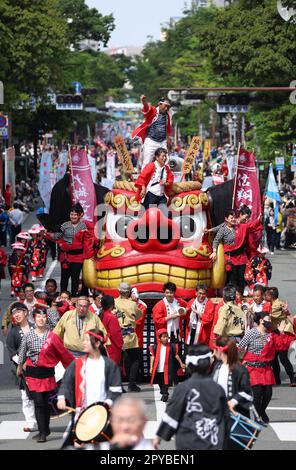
280,434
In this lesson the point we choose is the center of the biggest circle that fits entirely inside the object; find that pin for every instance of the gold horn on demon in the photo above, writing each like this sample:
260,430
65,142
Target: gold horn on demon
147,248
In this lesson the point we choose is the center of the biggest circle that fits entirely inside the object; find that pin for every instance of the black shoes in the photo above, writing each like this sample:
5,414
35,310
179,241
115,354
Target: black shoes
39,436
164,398
133,388
42,438
264,417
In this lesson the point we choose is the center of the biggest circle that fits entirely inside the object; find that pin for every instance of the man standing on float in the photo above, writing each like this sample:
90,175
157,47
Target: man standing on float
155,130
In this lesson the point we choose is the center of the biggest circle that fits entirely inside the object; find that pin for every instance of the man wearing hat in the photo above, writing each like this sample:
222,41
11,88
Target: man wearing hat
155,130
128,313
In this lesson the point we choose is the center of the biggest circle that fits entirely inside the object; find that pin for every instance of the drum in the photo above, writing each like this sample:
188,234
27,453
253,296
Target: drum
244,431
93,424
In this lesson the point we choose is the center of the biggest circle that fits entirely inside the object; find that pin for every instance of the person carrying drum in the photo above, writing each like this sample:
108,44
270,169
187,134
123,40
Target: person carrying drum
233,378
197,412
128,313
93,378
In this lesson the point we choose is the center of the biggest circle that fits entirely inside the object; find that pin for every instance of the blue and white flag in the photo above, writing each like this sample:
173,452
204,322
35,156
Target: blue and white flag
272,192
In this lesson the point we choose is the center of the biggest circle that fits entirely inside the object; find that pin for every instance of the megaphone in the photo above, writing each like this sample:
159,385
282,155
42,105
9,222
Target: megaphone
285,12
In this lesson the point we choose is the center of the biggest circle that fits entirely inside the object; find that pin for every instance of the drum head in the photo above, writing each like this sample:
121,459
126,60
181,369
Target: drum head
91,422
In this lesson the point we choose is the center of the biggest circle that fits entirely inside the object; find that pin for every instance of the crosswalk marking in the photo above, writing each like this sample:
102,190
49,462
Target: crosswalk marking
285,431
13,430
152,426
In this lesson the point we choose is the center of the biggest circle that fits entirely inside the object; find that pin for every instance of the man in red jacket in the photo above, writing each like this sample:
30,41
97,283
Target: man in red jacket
155,130
169,313
200,317
155,181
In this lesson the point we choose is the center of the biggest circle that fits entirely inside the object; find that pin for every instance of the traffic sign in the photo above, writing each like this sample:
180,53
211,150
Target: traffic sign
293,163
279,163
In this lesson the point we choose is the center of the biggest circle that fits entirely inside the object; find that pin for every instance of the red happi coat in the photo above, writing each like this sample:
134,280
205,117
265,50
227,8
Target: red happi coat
141,322
243,240
264,375
206,323
81,248
36,260
113,329
151,114
19,275
146,175
159,313
171,352
53,351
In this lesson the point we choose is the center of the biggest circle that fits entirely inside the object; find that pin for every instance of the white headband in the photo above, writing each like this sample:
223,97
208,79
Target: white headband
194,359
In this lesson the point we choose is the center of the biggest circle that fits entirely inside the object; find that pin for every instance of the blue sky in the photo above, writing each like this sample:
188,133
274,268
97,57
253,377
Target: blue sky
137,19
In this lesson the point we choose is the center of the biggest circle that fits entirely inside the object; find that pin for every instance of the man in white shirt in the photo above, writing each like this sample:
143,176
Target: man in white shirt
16,218
155,182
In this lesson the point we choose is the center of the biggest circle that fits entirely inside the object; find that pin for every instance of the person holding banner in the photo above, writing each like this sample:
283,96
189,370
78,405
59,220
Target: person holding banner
72,243
155,181
155,130
237,240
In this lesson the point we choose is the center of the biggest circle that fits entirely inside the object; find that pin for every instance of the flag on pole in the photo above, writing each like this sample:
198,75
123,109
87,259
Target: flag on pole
272,192
45,180
62,165
247,189
82,183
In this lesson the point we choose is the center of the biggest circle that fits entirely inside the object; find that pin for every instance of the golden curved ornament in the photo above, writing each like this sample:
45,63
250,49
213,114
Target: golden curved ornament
132,204
118,200
193,200
191,252
178,203
89,273
218,270
108,197
114,252
204,200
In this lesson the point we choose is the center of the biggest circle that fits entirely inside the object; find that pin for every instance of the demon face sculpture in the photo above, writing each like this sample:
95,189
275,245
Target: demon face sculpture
148,248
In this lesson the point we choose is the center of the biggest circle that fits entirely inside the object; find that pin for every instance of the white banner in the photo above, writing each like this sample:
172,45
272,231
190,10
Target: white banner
45,179
110,166
93,167
62,165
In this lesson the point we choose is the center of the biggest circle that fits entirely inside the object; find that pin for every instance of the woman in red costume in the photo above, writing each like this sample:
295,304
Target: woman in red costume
39,353
260,345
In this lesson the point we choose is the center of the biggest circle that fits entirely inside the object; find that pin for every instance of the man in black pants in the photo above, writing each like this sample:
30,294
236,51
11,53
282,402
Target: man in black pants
279,312
127,313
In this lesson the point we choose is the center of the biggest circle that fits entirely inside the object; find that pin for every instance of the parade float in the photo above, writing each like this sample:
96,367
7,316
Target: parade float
148,248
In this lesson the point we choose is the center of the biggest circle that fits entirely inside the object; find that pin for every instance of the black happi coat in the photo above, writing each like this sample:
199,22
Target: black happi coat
113,384
13,343
238,386
198,414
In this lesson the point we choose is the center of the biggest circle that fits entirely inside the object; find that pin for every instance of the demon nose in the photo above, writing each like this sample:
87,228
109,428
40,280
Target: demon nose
153,232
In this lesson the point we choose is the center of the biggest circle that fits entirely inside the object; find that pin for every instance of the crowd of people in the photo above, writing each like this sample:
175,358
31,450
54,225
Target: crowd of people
221,356
239,342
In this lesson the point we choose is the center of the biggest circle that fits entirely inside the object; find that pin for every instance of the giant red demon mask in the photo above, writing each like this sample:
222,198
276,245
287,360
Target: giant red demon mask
148,248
